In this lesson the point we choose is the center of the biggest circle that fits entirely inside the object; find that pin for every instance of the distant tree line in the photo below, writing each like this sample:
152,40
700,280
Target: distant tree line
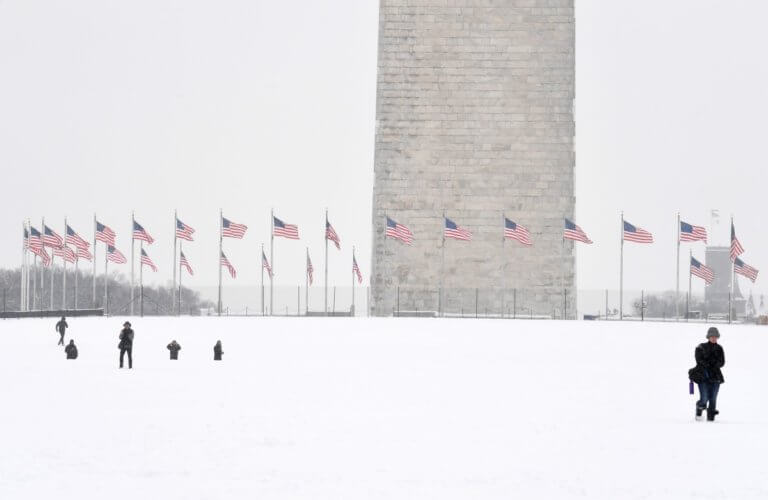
157,300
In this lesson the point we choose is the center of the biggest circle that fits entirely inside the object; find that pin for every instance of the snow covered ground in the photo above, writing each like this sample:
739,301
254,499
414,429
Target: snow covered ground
341,408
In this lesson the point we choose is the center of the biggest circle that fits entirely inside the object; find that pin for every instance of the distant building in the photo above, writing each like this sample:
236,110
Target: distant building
716,295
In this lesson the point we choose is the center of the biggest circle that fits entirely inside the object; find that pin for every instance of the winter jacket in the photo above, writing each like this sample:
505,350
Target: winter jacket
61,326
709,359
174,348
126,339
71,351
217,352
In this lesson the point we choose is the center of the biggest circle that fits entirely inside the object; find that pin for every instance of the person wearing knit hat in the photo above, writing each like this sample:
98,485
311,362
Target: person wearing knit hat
710,358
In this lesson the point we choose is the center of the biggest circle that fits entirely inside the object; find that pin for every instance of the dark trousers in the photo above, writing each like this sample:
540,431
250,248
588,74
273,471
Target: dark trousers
708,395
61,340
129,350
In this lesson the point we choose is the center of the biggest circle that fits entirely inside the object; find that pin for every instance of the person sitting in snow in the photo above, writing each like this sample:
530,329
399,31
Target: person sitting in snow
174,347
71,350
217,352
710,357
61,327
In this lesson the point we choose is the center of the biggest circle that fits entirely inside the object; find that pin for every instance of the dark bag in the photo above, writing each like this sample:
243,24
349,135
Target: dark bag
697,374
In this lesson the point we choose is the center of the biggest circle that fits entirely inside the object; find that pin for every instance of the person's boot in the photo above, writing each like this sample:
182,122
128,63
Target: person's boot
699,410
711,414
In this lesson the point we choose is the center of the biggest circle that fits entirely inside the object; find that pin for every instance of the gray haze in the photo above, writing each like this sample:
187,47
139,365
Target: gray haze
110,107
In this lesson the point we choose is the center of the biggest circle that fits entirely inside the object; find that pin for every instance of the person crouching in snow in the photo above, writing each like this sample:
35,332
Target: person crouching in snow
174,347
710,357
71,350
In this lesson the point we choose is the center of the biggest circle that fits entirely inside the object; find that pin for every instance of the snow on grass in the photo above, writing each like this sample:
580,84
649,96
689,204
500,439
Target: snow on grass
340,408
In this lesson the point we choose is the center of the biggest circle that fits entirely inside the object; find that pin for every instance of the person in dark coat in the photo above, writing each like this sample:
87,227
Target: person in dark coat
710,357
71,350
61,327
126,344
174,347
217,352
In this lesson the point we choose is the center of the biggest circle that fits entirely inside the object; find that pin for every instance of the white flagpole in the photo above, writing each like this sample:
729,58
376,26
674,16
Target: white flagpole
442,270
503,258
263,311
64,280
133,260
271,258
23,270
732,295
178,309
51,276
325,235
141,279
94,261
621,272
77,262
173,288
306,280
106,280
353,280
221,238
690,274
42,268
677,273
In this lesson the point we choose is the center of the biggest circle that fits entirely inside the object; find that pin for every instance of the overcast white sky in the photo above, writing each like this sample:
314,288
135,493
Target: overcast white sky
110,106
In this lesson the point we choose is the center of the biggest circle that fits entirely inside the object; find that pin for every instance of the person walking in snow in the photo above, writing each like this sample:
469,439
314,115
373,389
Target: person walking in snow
71,350
174,347
217,352
710,357
61,327
126,344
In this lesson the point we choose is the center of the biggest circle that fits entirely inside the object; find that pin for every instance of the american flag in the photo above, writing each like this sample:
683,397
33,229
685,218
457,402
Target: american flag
146,261
736,248
114,255
183,231
636,234
26,238
356,270
35,240
74,239
399,232
702,271
689,232
50,238
574,232
289,231
455,232
105,234
65,252
330,234
140,234
310,269
517,232
183,262
265,264
83,253
225,262
739,267
40,252
230,229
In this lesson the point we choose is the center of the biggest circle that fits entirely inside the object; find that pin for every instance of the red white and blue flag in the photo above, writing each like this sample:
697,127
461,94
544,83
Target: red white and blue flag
146,261
310,269
736,248
689,232
399,232
139,233
50,238
66,253
739,267
105,234
83,253
74,239
636,234
265,264
330,234
225,262
702,271
453,231
231,229
289,231
183,231
35,239
574,232
183,262
514,231
356,270
115,255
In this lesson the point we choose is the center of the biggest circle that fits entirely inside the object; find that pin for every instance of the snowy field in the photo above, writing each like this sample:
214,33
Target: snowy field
340,408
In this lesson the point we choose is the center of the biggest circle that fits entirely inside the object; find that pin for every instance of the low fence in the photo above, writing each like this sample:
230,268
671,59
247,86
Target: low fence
52,313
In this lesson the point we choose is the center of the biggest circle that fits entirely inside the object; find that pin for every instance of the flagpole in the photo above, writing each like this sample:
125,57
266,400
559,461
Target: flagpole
178,309
262,280
621,272
22,271
677,275
221,238
42,268
306,281
353,280
94,261
64,280
173,289
442,270
326,261
503,259
141,279
106,280
51,274
690,258
133,259
77,265
271,258
732,295
562,276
